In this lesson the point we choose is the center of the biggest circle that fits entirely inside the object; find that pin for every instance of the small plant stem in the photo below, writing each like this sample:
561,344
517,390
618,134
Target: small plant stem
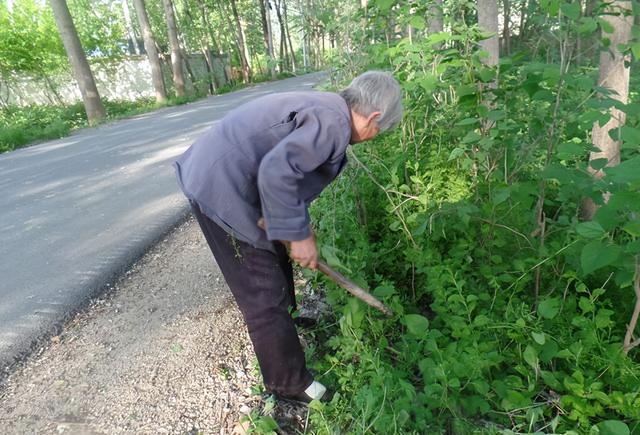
540,263
509,229
397,212
628,344
540,215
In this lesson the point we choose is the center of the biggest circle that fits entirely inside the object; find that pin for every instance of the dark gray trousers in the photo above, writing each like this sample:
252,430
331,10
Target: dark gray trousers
262,284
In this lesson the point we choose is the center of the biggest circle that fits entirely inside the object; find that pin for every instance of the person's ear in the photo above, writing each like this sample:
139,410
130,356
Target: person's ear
373,117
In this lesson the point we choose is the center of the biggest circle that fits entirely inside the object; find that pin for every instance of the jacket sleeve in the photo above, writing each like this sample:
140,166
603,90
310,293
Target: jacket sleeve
308,146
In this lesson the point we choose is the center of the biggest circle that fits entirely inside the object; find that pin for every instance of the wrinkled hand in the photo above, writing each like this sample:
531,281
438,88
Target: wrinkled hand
304,252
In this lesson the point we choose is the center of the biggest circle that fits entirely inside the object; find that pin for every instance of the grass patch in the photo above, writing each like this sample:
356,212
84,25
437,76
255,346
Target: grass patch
23,126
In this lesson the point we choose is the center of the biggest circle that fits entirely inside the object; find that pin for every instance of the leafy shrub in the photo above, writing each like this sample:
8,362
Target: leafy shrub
510,311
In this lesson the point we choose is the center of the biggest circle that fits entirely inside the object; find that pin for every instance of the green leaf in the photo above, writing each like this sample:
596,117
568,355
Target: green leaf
626,172
570,150
385,4
515,400
607,217
549,308
551,380
596,255
329,253
384,291
590,230
418,22
633,247
530,355
428,83
598,164
633,228
586,305
266,424
550,6
471,137
630,134
501,195
603,318
496,115
416,324
571,10
486,74
613,427
455,153
354,312
635,49
468,121
539,337
606,26
439,37
587,25
549,351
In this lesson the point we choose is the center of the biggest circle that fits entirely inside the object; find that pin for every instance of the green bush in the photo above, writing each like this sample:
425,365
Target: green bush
504,323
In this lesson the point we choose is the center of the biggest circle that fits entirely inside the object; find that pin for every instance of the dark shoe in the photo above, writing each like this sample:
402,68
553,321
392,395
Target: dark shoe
305,322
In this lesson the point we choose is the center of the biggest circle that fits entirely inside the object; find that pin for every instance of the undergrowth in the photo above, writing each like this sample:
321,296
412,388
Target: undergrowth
510,312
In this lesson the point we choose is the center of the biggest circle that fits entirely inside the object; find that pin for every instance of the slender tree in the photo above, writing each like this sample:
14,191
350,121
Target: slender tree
614,76
268,38
131,33
242,43
211,44
434,18
488,22
506,28
176,55
286,28
152,52
284,51
81,70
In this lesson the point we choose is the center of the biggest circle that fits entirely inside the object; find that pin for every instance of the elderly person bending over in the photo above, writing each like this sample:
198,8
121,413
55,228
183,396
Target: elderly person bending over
270,158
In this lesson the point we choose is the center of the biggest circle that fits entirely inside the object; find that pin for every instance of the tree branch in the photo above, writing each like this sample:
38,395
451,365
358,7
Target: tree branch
628,344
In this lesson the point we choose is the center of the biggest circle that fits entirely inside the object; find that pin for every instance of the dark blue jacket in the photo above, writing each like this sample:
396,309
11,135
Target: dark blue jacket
270,157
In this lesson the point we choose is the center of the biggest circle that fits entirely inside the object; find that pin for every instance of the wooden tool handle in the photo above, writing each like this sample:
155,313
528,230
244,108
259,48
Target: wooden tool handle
345,283
353,288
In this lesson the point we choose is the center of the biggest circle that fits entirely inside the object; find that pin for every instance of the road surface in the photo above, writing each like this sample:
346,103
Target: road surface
76,212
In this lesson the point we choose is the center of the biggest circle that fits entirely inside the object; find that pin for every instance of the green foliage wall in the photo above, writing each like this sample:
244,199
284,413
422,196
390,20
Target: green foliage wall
511,311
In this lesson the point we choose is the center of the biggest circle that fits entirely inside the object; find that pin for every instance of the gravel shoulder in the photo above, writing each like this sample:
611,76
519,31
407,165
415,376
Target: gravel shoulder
164,351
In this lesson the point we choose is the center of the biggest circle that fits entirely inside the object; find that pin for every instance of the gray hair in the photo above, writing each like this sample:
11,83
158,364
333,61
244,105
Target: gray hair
375,91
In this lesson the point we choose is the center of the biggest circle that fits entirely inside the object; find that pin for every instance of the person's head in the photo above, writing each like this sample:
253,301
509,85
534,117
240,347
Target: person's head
375,101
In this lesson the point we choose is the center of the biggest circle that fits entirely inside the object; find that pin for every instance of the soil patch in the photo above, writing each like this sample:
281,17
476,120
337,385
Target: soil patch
164,352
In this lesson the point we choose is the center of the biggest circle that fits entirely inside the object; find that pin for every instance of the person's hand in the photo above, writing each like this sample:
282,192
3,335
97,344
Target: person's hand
304,252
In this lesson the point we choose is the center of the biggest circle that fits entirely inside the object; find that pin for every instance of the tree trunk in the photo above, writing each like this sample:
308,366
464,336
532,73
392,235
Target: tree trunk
81,70
210,41
131,33
506,30
488,22
242,44
303,36
434,17
588,43
204,48
523,23
176,55
152,52
614,76
284,56
266,31
286,28
187,66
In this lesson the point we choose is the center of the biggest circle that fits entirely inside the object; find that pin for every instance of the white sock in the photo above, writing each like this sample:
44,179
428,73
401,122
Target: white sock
316,390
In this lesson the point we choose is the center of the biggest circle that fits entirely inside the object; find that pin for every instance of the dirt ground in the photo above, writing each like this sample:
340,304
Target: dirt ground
165,351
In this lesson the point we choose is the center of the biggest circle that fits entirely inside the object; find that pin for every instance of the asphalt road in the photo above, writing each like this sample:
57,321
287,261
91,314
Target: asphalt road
76,212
